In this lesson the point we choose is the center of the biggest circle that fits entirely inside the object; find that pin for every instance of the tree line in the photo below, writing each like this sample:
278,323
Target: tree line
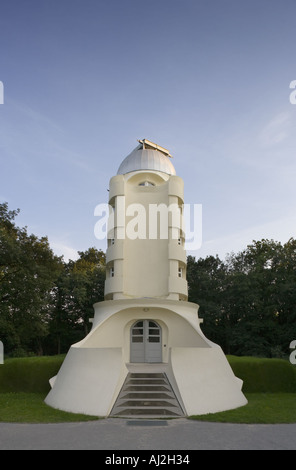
45,302
247,301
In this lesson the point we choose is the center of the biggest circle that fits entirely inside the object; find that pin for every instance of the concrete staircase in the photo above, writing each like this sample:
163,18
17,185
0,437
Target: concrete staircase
146,395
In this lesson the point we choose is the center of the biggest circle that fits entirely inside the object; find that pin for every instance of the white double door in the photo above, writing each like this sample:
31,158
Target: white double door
146,343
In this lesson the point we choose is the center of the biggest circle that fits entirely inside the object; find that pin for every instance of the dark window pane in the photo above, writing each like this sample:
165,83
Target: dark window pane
153,331
138,331
137,339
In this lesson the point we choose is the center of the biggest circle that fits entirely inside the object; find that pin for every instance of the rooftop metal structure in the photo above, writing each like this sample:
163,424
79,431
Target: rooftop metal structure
147,144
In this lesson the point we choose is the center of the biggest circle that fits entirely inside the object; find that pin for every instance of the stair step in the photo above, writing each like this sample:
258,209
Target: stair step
147,394
141,375
155,388
148,381
147,412
145,403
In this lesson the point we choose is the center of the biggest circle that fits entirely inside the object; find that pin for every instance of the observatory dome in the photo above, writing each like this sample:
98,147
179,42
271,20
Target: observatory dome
147,156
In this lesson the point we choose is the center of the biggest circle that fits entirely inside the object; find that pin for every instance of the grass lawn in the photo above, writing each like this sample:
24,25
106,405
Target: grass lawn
22,407
262,408
268,408
269,385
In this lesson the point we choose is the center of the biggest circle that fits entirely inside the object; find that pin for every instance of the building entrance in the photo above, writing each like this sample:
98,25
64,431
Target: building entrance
146,343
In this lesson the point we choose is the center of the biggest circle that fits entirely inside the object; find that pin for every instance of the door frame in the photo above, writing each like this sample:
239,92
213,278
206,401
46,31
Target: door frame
141,343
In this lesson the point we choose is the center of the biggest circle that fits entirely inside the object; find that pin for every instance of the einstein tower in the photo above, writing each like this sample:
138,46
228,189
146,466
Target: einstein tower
146,354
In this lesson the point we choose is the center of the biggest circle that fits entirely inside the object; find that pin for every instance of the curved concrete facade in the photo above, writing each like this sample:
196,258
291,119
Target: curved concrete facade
146,233
145,285
95,368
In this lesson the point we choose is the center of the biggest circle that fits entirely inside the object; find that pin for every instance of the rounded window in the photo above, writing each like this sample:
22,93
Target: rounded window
146,183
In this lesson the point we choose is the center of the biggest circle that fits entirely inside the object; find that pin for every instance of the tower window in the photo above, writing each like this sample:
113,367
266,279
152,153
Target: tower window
111,241
111,272
146,183
180,272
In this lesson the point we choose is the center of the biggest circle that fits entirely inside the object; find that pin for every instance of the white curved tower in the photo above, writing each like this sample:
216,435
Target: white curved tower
146,354
145,254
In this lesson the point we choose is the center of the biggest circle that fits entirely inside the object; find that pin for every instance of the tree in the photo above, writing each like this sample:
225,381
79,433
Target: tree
285,294
28,269
206,281
79,286
248,302
256,332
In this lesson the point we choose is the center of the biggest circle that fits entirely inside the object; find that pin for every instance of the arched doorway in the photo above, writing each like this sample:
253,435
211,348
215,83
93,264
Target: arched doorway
146,343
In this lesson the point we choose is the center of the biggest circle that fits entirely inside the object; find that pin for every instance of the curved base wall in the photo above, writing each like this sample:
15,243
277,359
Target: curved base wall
95,369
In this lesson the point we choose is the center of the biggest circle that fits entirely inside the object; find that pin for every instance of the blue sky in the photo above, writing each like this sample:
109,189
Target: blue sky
207,79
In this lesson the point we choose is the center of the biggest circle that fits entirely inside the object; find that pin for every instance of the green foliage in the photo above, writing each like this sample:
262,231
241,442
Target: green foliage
32,374
248,301
79,286
24,383
264,375
28,269
24,407
262,408
29,374
45,303
269,386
